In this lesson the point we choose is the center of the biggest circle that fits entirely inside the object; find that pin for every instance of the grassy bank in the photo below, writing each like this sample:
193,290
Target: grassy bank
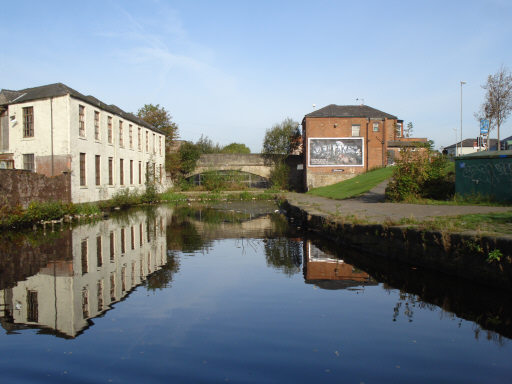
37,212
355,186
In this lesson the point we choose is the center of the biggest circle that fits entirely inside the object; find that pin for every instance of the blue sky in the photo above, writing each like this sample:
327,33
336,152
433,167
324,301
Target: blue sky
232,69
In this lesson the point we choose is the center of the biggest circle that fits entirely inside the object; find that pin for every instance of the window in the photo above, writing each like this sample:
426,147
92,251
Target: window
32,306
109,129
356,130
110,175
82,169
398,129
147,141
96,126
160,173
123,278
85,303
121,171
85,268
131,171
97,169
121,142
154,144
112,287
99,255
123,246
132,232
81,120
139,139
28,122
112,246
130,134
28,162
100,295
140,172
375,127
160,145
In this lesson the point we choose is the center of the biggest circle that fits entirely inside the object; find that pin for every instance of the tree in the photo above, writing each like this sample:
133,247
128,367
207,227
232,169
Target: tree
205,145
409,129
236,148
498,99
161,119
282,138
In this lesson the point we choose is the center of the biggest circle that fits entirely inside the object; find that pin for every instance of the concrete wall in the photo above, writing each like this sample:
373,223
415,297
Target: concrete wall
374,146
22,187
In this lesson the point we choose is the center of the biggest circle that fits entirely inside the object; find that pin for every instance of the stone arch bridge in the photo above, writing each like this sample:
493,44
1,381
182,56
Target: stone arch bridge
249,163
253,163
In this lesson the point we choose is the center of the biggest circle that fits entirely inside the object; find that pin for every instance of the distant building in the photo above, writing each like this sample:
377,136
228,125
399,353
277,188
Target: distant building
341,141
53,129
468,146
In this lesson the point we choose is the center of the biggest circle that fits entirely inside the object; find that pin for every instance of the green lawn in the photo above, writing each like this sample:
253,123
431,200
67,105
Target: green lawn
354,186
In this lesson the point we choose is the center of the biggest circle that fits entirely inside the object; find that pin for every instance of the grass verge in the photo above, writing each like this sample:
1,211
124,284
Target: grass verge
354,186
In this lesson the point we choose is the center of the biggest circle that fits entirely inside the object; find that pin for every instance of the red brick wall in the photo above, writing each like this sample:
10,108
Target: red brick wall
21,187
374,144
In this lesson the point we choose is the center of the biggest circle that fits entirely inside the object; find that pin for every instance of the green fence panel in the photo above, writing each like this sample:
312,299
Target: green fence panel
489,177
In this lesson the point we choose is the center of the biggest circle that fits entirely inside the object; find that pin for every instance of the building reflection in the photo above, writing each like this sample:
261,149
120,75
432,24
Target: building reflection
98,265
330,272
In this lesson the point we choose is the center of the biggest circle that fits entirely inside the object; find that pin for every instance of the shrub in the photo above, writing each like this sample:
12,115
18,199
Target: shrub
279,175
420,173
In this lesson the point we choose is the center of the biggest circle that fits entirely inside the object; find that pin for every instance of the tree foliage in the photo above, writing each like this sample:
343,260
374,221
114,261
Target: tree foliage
161,119
282,139
205,145
236,148
420,173
498,99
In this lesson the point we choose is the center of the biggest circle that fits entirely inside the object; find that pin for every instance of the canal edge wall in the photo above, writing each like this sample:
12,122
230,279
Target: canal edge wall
463,255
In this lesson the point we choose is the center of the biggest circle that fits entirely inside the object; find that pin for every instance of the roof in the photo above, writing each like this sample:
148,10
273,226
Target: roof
469,143
333,110
486,154
58,89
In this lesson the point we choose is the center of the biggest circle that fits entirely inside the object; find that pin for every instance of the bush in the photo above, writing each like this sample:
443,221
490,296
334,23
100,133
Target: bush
420,173
279,175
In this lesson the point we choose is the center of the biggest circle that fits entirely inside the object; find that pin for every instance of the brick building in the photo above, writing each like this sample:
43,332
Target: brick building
341,141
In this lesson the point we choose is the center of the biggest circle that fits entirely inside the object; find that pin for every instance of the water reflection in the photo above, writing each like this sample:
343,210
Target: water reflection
59,282
327,271
59,288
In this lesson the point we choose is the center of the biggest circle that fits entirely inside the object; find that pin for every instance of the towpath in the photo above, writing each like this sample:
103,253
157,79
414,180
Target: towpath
371,207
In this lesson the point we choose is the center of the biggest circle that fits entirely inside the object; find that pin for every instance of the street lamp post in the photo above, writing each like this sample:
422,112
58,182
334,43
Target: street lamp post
461,84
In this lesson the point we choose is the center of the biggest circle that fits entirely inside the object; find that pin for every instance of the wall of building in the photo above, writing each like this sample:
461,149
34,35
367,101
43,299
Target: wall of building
21,187
374,147
51,122
58,142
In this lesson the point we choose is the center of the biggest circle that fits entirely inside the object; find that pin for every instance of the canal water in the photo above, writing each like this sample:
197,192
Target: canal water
234,293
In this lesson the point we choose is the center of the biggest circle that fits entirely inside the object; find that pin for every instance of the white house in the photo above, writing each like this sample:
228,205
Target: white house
53,129
468,146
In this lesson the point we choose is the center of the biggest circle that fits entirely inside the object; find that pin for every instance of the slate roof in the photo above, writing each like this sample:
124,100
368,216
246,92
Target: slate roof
59,89
469,143
333,110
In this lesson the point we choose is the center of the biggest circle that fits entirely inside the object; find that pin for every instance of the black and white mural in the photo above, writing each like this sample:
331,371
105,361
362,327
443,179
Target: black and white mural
336,151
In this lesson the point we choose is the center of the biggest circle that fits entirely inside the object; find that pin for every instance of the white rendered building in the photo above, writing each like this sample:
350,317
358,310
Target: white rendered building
54,129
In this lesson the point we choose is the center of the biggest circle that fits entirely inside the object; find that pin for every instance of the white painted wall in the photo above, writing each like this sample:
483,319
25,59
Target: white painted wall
67,141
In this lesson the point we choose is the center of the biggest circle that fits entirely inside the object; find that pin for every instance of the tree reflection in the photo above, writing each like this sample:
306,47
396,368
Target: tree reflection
163,277
284,254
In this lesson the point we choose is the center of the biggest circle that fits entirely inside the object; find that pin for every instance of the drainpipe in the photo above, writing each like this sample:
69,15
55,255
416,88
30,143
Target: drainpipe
367,140
384,146
51,131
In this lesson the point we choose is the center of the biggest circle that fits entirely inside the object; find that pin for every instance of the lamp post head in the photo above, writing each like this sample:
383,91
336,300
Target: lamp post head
462,82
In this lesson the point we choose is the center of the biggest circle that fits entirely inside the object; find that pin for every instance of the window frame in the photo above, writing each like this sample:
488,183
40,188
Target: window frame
358,127
83,169
28,122
81,120
31,163
97,133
